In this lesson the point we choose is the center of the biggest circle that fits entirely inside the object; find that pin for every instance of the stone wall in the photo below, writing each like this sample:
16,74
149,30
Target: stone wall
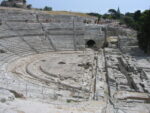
41,32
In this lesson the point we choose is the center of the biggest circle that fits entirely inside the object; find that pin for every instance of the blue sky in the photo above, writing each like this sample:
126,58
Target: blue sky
100,6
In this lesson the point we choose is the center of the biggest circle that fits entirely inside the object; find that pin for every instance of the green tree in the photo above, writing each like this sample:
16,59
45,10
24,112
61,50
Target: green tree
113,13
46,8
129,14
95,14
128,21
106,16
132,19
144,32
29,6
137,21
137,15
24,1
118,14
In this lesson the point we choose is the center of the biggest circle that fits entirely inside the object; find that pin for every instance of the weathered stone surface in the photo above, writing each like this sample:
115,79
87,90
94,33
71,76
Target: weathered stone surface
123,95
47,58
6,95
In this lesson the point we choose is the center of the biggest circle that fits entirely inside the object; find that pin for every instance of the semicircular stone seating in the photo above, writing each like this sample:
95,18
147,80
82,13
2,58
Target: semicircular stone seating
31,43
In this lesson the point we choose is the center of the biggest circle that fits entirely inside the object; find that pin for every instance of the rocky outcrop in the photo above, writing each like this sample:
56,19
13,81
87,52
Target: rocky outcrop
14,3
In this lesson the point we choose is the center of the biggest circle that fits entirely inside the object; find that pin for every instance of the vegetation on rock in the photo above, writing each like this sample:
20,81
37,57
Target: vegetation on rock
139,21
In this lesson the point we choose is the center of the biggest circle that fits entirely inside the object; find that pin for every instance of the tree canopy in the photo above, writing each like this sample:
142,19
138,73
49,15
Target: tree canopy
140,21
46,8
144,31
